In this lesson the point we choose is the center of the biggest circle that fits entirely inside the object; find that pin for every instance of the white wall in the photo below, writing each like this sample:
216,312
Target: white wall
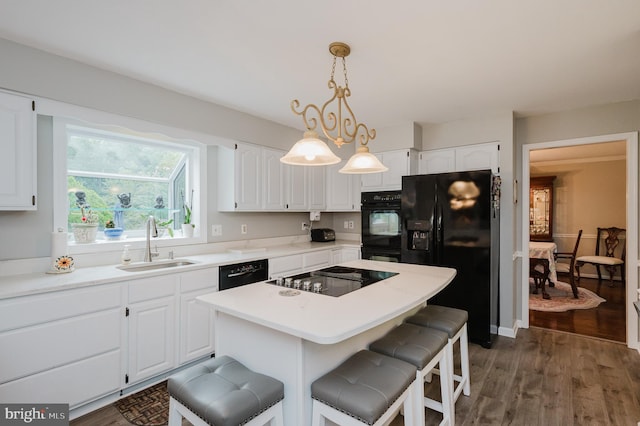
37,73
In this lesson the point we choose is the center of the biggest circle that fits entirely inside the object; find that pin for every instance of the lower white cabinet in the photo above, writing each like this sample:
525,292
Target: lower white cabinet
285,266
77,346
62,347
316,260
344,254
197,327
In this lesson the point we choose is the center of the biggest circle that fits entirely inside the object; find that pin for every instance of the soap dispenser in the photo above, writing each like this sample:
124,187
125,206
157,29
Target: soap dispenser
126,257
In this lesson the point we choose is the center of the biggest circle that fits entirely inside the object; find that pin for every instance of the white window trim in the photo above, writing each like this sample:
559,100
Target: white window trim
197,176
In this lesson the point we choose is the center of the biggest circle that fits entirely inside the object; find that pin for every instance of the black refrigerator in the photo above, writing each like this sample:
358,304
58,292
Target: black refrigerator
452,220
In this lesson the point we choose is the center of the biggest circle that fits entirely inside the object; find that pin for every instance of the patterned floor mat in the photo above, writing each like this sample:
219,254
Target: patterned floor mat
149,407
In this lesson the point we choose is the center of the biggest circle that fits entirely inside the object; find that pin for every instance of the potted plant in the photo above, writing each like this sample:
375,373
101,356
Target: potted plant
111,232
187,226
85,231
164,226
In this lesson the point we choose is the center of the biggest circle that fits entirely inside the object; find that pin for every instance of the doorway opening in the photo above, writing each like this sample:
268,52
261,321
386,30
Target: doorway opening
564,235
586,189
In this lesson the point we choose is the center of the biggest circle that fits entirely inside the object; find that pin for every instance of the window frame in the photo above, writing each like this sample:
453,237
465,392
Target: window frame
195,179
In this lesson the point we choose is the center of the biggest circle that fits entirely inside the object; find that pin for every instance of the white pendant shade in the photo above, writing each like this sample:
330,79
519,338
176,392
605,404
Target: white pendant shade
363,162
310,151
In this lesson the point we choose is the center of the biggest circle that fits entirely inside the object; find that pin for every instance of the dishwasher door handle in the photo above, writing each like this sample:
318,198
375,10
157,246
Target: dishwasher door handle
239,274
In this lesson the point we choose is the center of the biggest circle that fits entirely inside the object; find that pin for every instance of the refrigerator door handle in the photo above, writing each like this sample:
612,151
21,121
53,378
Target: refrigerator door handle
439,234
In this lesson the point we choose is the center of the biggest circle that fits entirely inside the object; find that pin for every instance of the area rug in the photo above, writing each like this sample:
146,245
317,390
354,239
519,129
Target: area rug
149,407
562,299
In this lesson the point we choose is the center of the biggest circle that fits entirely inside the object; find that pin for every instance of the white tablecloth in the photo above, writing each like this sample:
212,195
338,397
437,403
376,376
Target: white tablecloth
542,250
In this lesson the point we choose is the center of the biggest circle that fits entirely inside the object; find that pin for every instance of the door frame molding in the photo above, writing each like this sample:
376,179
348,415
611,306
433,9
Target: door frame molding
631,263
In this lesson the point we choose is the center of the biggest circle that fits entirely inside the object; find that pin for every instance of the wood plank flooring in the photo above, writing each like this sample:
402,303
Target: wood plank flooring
542,377
607,321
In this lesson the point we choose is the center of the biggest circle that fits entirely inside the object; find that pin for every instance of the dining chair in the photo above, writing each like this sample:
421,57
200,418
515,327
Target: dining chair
539,271
564,267
610,239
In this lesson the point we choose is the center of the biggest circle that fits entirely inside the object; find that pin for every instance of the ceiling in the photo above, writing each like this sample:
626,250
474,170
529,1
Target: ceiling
606,151
426,61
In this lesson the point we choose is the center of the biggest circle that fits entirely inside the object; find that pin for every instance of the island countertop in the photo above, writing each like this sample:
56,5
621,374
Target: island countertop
327,320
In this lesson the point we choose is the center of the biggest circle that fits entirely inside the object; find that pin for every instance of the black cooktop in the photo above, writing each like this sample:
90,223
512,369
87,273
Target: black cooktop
333,281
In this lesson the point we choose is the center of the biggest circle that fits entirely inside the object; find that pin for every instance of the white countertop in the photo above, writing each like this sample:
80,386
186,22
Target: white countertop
35,283
325,319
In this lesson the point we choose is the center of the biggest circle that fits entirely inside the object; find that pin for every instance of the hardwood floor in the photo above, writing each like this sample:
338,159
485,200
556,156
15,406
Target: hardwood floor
542,377
607,321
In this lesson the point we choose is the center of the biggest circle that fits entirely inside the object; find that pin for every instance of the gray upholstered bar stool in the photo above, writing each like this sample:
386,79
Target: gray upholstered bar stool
453,322
425,348
223,392
367,389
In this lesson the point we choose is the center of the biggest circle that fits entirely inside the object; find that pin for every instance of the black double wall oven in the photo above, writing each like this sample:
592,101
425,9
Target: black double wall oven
381,225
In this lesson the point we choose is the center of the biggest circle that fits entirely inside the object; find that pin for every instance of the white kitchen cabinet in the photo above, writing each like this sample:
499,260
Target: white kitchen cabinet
344,254
343,190
197,327
478,157
316,260
285,266
317,188
152,326
62,347
18,162
464,158
274,180
437,161
305,188
400,163
240,178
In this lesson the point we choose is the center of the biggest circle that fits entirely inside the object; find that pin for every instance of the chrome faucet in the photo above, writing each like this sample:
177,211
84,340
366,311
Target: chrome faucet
152,231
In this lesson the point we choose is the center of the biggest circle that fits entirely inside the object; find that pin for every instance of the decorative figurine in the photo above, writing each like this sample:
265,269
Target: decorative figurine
125,200
81,200
159,202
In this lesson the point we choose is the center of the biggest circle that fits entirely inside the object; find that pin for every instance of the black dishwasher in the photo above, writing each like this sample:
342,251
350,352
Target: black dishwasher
240,274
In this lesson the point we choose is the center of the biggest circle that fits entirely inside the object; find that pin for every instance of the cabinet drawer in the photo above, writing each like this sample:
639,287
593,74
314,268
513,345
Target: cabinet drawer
279,265
317,259
198,280
43,308
34,349
152,288
71,384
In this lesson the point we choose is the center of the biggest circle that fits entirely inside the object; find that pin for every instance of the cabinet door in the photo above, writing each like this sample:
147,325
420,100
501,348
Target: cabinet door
478,157
343,190
151,338
274,178
285,266
373,181
316,260
248,177
317,188
437,161
398,164
297,184
18,159
197,331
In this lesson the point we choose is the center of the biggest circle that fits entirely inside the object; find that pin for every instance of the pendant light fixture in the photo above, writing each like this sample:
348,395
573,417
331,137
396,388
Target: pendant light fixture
338,124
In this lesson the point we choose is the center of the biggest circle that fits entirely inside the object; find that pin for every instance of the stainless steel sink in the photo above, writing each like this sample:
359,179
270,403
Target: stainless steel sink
151,266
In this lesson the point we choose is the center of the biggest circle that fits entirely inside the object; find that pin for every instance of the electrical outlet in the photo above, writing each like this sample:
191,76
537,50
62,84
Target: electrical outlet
305,226
346,224
243,228
351,224
216,230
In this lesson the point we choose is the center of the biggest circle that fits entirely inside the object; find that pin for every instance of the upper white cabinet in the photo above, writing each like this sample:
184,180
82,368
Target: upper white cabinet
400,163
464,158
305,188
18,159
274,179
343,190
240,178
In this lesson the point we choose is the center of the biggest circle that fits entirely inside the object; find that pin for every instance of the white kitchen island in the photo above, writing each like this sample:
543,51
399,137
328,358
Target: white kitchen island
297,339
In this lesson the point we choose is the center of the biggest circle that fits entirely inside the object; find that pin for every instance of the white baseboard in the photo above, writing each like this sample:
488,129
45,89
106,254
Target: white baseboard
509,332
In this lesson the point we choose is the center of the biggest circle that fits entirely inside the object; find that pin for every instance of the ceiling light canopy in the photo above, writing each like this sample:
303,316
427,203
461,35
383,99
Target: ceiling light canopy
338,124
